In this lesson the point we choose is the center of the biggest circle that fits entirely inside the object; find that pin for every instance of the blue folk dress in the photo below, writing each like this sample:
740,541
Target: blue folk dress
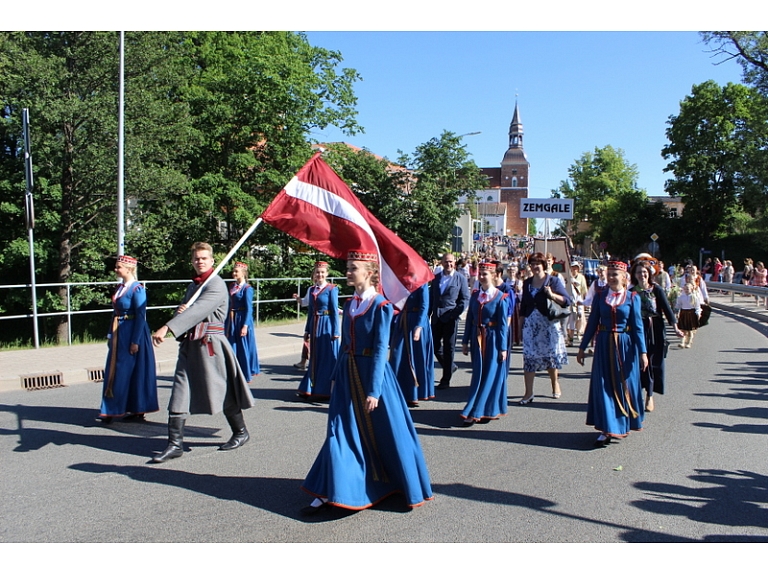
615,404
486,332
130,382
240,314
368,456
413,361
323,329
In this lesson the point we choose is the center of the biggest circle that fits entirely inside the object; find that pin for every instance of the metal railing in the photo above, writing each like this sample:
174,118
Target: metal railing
740,289
69,312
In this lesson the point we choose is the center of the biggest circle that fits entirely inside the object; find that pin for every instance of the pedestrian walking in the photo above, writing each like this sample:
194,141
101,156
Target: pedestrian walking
208,378
322,334
371,449
130,382
615,400
239,325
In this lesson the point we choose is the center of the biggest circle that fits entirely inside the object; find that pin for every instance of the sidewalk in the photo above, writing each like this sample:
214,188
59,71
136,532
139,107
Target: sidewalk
76,361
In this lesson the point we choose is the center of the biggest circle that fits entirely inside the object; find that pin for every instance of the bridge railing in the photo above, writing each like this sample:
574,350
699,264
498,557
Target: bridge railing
735,290
301,285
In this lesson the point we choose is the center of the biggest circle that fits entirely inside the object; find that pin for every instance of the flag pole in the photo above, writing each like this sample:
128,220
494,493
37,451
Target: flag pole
225,261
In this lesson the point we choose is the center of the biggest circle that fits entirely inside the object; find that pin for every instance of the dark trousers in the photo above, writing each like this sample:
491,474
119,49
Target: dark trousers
444,340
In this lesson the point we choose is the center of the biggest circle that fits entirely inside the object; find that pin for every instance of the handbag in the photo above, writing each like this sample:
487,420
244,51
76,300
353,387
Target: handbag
706,311
555,311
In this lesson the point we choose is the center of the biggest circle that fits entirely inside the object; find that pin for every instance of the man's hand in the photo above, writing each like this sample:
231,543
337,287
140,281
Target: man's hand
159,335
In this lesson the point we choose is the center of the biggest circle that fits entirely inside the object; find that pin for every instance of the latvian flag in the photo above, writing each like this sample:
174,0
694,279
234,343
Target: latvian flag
319,209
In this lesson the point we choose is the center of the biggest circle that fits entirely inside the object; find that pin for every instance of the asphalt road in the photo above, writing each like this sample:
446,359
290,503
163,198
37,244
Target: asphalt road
696,473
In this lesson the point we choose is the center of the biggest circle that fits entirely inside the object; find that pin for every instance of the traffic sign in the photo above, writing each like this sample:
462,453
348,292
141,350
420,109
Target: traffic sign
654,237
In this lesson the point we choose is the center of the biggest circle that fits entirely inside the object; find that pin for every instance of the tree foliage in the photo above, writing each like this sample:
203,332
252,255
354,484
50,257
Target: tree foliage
444,172
215,124
717,152
603,185
750,49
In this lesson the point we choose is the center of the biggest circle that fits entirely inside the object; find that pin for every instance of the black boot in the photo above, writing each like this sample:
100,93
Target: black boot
175,446
239,432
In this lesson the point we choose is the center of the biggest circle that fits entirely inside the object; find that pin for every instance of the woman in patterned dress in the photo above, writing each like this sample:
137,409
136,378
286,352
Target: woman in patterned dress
543,340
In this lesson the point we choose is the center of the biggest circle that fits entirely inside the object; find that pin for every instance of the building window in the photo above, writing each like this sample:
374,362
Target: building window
514,182
672,212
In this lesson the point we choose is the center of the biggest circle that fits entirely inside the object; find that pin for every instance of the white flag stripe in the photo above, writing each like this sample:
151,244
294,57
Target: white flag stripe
338,207
330,203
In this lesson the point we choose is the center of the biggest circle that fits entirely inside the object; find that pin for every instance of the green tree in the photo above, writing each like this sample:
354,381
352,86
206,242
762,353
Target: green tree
608,205
443,173
750,49
69,82
717,150
216,124
254,97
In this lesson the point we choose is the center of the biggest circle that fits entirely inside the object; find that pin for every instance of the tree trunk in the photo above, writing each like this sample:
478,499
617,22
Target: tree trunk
65,243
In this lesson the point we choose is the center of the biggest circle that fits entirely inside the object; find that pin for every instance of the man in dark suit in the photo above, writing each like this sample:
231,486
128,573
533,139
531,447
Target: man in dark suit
448,298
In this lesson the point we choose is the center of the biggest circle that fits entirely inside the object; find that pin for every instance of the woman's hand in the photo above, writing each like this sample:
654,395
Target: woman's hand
678,331
503,356
417,333
580,357
371,403
643,361
181,308
244,331
465,349
134,348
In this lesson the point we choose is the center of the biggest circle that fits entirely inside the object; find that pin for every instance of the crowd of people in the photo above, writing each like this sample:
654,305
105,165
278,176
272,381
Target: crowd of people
372,362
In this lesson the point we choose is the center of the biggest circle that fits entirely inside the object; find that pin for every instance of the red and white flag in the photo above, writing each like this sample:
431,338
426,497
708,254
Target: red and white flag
319,209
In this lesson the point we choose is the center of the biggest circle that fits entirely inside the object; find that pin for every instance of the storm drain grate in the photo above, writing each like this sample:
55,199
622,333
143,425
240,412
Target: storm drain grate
42,380
95,373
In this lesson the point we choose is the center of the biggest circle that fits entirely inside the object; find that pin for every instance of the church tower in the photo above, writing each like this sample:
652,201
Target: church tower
514,177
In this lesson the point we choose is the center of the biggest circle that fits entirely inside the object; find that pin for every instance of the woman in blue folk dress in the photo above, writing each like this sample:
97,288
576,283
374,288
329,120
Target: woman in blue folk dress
322,333
411,350
130,383
615,404
486,335
239,325
371,448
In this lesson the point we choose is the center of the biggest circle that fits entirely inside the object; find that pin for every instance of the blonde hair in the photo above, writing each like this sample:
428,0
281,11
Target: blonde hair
694,293
374,267
201,246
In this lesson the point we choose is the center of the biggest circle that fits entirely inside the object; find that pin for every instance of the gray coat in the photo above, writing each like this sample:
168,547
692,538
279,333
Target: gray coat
205,383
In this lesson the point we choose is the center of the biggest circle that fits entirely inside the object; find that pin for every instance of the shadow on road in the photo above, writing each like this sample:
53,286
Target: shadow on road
730,498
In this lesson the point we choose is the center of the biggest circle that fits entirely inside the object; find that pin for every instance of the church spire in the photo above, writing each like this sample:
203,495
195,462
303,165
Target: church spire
516,129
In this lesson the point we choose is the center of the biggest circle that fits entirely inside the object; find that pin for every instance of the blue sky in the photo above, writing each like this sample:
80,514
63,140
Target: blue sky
576,91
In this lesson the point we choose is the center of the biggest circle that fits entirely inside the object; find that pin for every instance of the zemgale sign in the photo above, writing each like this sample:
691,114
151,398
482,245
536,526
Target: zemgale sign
555,208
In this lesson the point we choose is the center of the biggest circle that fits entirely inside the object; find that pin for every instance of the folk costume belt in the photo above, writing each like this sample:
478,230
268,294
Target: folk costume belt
626,329
323,312
113,360
621,393
366,351
203,332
